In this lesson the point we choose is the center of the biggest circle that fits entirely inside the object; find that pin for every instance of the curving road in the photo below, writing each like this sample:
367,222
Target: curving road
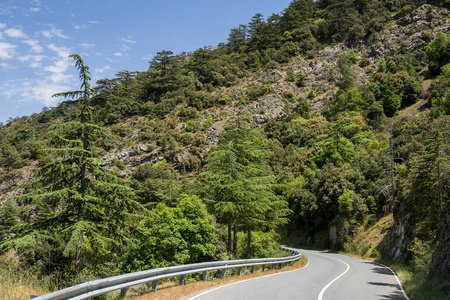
328,276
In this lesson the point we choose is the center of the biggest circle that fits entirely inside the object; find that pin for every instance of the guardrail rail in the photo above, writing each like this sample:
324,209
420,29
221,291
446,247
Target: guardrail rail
122,282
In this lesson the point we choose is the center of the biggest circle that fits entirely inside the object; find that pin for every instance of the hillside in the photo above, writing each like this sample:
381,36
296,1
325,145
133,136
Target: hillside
302,120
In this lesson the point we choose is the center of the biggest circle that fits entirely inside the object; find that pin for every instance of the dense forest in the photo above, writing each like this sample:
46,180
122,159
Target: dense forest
326,118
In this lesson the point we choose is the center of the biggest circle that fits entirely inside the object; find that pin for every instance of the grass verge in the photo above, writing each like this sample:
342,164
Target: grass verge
18,287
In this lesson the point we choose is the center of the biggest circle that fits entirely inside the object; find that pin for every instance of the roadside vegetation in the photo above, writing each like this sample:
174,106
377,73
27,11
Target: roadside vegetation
208,155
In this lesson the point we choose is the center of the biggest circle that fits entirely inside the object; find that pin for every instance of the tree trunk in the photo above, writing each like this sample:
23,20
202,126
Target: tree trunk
229,239
78,258
249,239
235,230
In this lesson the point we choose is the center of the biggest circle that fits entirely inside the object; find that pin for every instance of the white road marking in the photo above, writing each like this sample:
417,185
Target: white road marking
329,284
222,286
396,278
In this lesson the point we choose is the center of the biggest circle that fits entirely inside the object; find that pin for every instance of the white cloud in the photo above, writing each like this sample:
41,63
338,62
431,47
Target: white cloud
6,50
33,60
53,32
118,54
35,47
63,52
102,70
83,26
15,33
35,9
2,25
35,65
36,58
128,40
60,78
87,46
60,66
4,65
28,90
42,92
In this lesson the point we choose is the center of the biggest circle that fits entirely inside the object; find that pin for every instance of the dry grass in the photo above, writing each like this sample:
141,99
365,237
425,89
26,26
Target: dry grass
13,287
171,290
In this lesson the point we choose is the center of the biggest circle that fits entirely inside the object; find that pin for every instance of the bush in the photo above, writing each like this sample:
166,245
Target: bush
263,245
121,129
171,236
288,95
119,164
256,91
290,75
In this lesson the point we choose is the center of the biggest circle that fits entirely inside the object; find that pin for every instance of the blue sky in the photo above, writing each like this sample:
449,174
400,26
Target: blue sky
36,36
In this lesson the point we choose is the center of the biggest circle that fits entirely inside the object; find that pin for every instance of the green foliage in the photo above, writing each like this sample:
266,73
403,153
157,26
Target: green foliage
347,79
346,203
289,95
255,91
350,100
9,217
236,178
172,236
156,183
435,48
300,79
329,167
446,70
391,100
311,95
421,253
304,108
264,244
76,200
290,75
442,103
121,129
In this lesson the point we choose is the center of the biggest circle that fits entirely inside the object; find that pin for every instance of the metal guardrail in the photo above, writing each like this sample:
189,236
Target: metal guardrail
121,282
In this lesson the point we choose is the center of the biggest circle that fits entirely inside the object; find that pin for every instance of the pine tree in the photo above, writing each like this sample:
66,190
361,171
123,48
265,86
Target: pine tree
74,195
238,182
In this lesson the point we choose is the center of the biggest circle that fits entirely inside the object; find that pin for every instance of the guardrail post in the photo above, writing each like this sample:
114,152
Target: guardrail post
181,281
273,266
155,285
204,276
239,271
123,293
223,273
253,269
264,267
33,296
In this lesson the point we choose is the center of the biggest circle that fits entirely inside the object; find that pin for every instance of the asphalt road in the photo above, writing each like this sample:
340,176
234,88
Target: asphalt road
327,276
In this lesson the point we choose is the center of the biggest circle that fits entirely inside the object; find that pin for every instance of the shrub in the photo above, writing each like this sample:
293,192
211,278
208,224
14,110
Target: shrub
256,91
121,129
290,75
311,95
300,77
289,95
171,236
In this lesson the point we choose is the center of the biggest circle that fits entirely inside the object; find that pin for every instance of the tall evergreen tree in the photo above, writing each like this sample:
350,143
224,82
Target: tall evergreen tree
75,197
237,180
296,14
